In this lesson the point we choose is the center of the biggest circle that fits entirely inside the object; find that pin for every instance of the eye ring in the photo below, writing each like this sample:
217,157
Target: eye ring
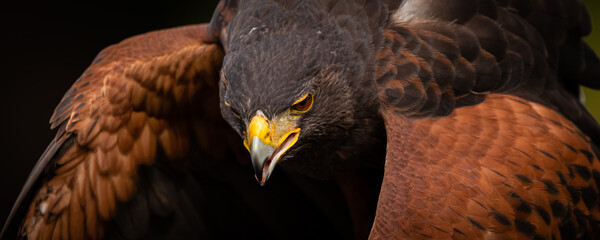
233,111
303,104
235,114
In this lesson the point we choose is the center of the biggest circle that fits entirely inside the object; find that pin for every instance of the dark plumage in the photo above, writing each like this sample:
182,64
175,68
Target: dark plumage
390,119
267,69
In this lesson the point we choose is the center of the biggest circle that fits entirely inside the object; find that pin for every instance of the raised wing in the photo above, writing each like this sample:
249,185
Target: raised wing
438,56
130,102
486,165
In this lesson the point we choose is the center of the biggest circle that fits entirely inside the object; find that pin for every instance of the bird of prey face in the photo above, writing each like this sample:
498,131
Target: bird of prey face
291,99
412,119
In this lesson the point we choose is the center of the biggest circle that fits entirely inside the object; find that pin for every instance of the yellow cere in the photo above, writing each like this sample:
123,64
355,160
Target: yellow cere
260,127
275,132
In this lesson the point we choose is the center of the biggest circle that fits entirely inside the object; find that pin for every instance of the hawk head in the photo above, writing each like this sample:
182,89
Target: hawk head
295,85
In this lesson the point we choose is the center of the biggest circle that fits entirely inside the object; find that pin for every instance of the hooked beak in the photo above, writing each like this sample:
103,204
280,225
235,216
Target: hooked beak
266,146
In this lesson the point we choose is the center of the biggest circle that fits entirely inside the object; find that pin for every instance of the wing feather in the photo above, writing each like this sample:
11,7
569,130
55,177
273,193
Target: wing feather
509,46
125,105
506,167
499,144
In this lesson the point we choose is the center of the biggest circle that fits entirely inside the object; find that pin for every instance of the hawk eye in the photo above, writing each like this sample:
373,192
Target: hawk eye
233,111
303,104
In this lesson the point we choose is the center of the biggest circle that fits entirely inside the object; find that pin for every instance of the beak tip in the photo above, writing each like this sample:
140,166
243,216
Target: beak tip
259,178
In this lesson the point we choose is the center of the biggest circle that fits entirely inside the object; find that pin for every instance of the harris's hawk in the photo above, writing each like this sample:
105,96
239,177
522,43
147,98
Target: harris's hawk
408,119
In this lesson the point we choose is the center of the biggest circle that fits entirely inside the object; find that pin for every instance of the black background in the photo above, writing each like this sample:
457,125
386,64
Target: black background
44,47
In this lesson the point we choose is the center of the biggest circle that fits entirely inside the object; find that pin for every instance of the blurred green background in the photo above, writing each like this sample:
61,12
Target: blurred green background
593,96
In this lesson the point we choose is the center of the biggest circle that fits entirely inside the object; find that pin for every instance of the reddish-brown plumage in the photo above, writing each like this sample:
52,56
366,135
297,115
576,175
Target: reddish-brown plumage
119,117
485,171
505,168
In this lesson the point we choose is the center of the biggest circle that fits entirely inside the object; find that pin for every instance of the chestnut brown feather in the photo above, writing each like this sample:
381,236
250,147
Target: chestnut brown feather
113,134
457,177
